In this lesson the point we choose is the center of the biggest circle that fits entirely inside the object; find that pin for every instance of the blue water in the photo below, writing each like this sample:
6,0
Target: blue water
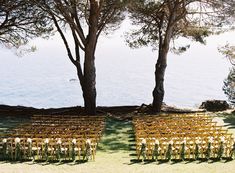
124,76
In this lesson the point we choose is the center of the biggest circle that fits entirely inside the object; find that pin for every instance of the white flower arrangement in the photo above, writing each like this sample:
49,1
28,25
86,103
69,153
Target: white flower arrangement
178,142
191,142
143,141
203,142
164,143
88,142
198,141
29,140
17,140
50,149
191,146
211,139
184,141
36,148
222,139
4,140
171,142
64,149
59,141
46,141
77,149
74,141
157,142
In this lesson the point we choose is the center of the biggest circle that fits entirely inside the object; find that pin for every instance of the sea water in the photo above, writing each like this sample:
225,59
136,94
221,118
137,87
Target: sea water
46,78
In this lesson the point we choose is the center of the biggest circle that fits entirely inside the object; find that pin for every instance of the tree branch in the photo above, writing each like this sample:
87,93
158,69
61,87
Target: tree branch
64,40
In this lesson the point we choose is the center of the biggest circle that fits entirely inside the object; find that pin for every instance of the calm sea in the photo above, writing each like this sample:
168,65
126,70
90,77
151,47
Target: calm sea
46,78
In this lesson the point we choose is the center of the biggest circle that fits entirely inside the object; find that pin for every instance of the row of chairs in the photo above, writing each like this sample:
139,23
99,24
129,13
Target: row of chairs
48,149
181,137
51,138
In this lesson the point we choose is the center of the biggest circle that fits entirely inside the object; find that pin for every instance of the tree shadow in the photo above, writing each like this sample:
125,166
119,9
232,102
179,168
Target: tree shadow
9,122
116,136
230,120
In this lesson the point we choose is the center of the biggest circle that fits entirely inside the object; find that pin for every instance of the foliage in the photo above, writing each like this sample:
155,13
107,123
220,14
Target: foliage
143,150
182,154
21,21
58,151
221,150
156,152
229,86
45,151
192,19
18,154
73,154
196,151
169,152
4,150
229,52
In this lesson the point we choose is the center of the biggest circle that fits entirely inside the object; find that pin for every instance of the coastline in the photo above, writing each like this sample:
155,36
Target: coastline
7,110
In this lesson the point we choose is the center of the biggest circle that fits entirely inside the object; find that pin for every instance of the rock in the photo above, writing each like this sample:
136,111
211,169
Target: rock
214,105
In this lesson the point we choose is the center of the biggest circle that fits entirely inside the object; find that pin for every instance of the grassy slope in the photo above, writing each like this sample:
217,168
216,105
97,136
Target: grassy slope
116,153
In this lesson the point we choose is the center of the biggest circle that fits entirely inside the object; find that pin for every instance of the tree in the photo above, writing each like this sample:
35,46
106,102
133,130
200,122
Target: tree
161,21
229,82
229,86
95,16
229,52
20,22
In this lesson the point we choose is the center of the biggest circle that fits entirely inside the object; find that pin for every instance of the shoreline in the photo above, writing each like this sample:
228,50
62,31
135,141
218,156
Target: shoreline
7,110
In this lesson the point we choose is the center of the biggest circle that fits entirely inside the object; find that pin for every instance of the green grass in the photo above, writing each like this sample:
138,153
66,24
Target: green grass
230,120
116,137
9,122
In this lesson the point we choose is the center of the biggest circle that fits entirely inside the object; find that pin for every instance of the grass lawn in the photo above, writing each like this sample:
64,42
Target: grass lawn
116,154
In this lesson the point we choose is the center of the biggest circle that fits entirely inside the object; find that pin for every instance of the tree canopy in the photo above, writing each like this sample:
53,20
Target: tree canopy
193,19
21,21
229,52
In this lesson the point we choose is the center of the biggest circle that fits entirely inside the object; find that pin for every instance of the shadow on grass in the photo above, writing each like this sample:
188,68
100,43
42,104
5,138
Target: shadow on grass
45,163
177,161
116,136
230,119
9,122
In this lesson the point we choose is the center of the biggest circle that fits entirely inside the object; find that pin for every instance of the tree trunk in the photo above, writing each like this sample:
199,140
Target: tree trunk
89,85
89,82
158,92
160,67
